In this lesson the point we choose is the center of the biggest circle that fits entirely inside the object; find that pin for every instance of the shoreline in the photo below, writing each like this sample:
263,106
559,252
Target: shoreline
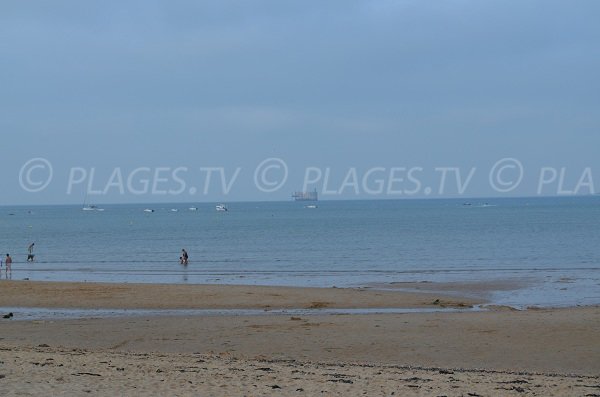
176,296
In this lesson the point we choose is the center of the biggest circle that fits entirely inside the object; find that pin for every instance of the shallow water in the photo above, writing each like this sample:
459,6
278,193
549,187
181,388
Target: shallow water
28,313
552,243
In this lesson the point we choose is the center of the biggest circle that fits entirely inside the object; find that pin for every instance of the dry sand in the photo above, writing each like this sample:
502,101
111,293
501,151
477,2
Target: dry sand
501,352
52,372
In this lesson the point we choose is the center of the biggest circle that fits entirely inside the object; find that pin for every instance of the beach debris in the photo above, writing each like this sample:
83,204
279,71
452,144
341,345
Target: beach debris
318,305
518,389
43,364
456,304
43,345
275,387
462,304
9,315
516,381
340,381
417,379
295,319
86,373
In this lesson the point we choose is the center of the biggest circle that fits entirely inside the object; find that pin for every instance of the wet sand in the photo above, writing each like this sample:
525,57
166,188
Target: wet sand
180,296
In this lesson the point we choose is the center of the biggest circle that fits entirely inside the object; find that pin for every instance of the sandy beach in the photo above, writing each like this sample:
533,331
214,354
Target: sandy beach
487,353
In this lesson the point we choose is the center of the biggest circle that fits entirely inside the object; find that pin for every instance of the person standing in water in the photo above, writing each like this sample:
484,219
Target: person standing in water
8,262
30,256
184,257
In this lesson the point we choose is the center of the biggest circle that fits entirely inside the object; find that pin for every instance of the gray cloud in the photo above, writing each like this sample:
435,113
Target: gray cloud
333,82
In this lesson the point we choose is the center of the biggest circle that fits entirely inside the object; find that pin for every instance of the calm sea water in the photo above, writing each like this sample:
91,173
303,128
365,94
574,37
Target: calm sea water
551,244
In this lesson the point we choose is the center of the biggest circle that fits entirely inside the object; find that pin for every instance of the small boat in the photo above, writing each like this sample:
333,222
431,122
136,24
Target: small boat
91,207
174,210
221,207
311,206
193,208
148,210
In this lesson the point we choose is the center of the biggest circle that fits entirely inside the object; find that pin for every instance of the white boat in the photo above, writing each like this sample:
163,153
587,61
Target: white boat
311,206
221,207
148,210
174,210
193,208
91,207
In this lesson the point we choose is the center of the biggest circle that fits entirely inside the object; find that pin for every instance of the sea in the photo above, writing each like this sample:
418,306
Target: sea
542,251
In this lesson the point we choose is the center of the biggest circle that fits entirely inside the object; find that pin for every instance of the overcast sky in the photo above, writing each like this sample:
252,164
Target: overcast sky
338,84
